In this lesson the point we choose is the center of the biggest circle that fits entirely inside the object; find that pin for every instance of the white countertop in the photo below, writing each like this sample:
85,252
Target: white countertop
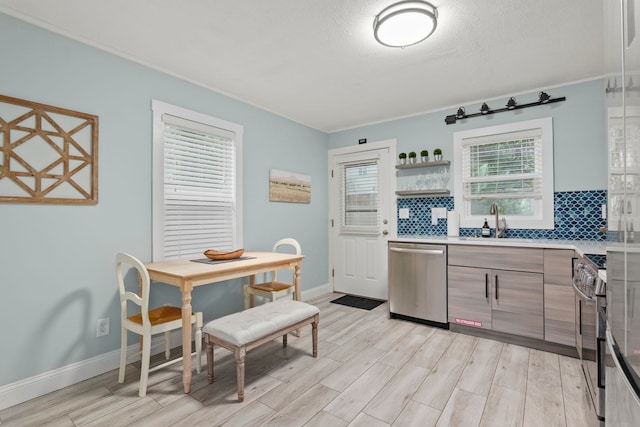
580,246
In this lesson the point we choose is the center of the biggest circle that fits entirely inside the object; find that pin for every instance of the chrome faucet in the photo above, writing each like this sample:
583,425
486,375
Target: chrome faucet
501,224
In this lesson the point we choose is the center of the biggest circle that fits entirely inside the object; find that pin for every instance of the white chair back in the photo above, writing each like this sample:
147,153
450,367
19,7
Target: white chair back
288,241
141,300
284,242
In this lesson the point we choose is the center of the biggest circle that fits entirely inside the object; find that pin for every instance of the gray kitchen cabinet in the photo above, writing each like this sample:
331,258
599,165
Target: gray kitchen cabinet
497,288
559,297
517,306
469,292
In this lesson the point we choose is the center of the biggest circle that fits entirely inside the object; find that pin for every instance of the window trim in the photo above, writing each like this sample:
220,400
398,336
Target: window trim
160,108
544,219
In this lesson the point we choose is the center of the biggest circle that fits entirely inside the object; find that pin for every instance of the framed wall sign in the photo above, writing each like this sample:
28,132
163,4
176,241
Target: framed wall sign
47,154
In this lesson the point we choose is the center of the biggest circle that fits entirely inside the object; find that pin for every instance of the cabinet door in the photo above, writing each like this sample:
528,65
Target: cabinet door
559,314
559,307
558,266
470,296
517,303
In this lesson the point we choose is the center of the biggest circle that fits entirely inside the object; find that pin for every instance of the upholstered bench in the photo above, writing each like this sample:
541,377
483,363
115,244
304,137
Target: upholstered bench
248,329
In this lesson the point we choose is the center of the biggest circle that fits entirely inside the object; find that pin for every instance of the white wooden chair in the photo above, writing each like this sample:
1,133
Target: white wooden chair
147,323
273,289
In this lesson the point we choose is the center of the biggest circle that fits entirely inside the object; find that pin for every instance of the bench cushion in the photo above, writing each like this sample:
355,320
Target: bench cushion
254,323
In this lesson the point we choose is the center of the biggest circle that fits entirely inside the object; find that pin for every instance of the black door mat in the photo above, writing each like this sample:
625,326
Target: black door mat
358,302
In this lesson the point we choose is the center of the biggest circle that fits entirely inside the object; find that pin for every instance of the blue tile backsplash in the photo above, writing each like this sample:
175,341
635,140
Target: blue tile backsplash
578,216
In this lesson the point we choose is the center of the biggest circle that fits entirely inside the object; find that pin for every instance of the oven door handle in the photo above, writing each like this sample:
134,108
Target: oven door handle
582,295
601,343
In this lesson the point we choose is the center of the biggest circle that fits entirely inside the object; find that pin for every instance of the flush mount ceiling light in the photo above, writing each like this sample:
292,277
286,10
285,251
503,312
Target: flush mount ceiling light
405,23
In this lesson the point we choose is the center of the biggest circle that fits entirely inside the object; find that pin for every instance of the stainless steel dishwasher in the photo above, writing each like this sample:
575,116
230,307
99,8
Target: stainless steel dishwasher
418,282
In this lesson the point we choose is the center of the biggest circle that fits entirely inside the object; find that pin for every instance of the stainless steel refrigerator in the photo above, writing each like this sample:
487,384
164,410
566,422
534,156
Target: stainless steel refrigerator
622,67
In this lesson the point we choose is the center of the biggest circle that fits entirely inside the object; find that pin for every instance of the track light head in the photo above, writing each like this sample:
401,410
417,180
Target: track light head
544,97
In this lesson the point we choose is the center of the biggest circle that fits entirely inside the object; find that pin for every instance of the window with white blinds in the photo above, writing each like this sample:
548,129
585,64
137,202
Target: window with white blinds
360,198
196,185
510,165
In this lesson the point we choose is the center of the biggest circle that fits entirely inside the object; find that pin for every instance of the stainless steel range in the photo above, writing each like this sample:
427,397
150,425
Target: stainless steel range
591,326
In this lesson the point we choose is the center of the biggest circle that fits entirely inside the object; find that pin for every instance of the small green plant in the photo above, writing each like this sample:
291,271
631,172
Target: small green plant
412,154
402,155
424,153
437,151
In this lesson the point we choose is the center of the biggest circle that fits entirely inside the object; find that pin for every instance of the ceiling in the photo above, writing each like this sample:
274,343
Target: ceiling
317,63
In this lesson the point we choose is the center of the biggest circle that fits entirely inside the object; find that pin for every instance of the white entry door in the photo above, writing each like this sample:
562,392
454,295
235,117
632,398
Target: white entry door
362,213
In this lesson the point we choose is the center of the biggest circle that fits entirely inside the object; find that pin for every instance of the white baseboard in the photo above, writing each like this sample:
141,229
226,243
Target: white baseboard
39,385
316,292
44,383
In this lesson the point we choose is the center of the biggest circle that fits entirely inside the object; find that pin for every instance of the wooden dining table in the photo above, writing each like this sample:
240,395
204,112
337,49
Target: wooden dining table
187,274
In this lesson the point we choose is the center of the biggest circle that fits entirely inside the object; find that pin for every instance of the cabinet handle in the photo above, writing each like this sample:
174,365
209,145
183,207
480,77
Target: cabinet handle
486,285
496,287
418,251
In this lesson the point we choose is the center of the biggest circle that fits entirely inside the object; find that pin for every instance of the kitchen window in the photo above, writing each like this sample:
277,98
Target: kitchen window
197,188
510,165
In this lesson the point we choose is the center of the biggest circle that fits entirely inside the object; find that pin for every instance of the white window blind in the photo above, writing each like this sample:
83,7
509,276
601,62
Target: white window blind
510,165
196,188
360,199
503,166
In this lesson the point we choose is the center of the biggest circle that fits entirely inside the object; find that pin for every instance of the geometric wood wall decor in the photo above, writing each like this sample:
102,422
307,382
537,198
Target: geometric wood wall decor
47,154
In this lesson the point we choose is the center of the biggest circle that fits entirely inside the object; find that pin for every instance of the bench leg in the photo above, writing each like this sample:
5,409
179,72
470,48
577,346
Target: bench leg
284,340
209,346
240,354
314,335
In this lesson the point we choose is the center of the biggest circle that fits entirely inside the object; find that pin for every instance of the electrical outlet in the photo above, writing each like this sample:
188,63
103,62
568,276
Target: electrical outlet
102,327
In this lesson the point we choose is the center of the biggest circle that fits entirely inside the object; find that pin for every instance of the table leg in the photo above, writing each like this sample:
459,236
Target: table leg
296,280
252,297
296,285
186,337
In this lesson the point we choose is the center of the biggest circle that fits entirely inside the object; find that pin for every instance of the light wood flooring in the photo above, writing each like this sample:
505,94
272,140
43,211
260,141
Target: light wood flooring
371,371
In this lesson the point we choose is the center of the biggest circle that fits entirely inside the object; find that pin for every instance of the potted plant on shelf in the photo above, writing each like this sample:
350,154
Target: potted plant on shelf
402,157
437,154
424,156
412,157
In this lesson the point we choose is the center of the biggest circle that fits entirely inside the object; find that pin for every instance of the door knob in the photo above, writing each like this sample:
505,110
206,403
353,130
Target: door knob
385,232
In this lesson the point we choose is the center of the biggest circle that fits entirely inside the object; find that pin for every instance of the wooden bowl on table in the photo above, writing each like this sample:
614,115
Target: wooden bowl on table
219,256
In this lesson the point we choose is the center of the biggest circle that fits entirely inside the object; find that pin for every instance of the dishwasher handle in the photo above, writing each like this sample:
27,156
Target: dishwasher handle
418,251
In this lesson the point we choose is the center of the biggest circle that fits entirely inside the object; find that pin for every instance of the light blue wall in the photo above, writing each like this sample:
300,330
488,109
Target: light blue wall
56,261
579,126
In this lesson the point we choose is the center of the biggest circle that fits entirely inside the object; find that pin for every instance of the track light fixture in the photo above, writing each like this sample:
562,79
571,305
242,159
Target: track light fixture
543,98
